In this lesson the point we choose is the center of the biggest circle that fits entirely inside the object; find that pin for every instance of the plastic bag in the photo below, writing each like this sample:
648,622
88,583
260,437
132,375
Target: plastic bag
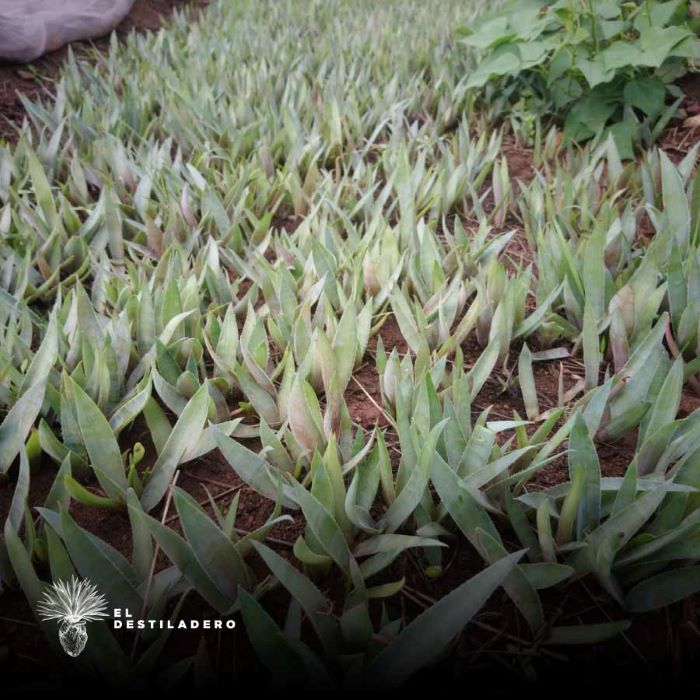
30,28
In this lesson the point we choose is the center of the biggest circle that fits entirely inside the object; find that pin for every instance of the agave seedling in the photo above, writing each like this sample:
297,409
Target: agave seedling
29,393
622,530
384,657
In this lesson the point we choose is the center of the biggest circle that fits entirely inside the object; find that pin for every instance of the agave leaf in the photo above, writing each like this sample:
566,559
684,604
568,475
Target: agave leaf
187,429
527,383
142,545
53,447
623,424
652,548
61,566
182,556
18,506
667,402
100,443
79,493
521,526
546,574
169,394
411,494
116,582
596,405
516,584
58,497
426,636
586,634
113,225
584,460
609,537
130,409
591,348
483,367
306,555
158,424
44,358
478,478
593,273
468,514
544,532
305,592
391,543
345,344
270,645
535,318
253,469
406,321
304,416
676,208
263,403
17,424
324,527
214,551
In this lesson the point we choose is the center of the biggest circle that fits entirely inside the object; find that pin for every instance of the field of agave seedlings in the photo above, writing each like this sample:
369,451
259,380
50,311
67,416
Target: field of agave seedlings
299,333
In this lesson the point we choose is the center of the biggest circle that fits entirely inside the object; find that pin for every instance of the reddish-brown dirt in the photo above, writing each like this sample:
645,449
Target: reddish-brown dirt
35,79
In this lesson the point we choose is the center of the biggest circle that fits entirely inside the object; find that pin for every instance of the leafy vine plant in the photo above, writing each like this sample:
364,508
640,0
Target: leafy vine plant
600,67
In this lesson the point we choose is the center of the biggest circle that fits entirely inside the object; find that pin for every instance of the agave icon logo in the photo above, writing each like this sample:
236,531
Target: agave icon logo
73,603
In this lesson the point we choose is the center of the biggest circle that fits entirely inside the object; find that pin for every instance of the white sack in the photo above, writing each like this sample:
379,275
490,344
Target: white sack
30,28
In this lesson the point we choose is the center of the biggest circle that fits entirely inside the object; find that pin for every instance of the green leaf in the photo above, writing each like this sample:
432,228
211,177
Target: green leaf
187,429
92,563
101,444
546,574
42,189
516,584
158,424
214,551
527,383
253,469
586,634
270,645
17,424
393,543
584,460
609,537
305,592
591,347
664,589
676,208
428,635
324,527
129,410
463,507
411,494
344,345
141,545
181,555
79,493
667,402
18,506
647,94
22,566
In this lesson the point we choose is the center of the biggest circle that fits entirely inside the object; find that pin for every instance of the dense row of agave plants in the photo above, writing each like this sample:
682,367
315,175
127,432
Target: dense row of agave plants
208,230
